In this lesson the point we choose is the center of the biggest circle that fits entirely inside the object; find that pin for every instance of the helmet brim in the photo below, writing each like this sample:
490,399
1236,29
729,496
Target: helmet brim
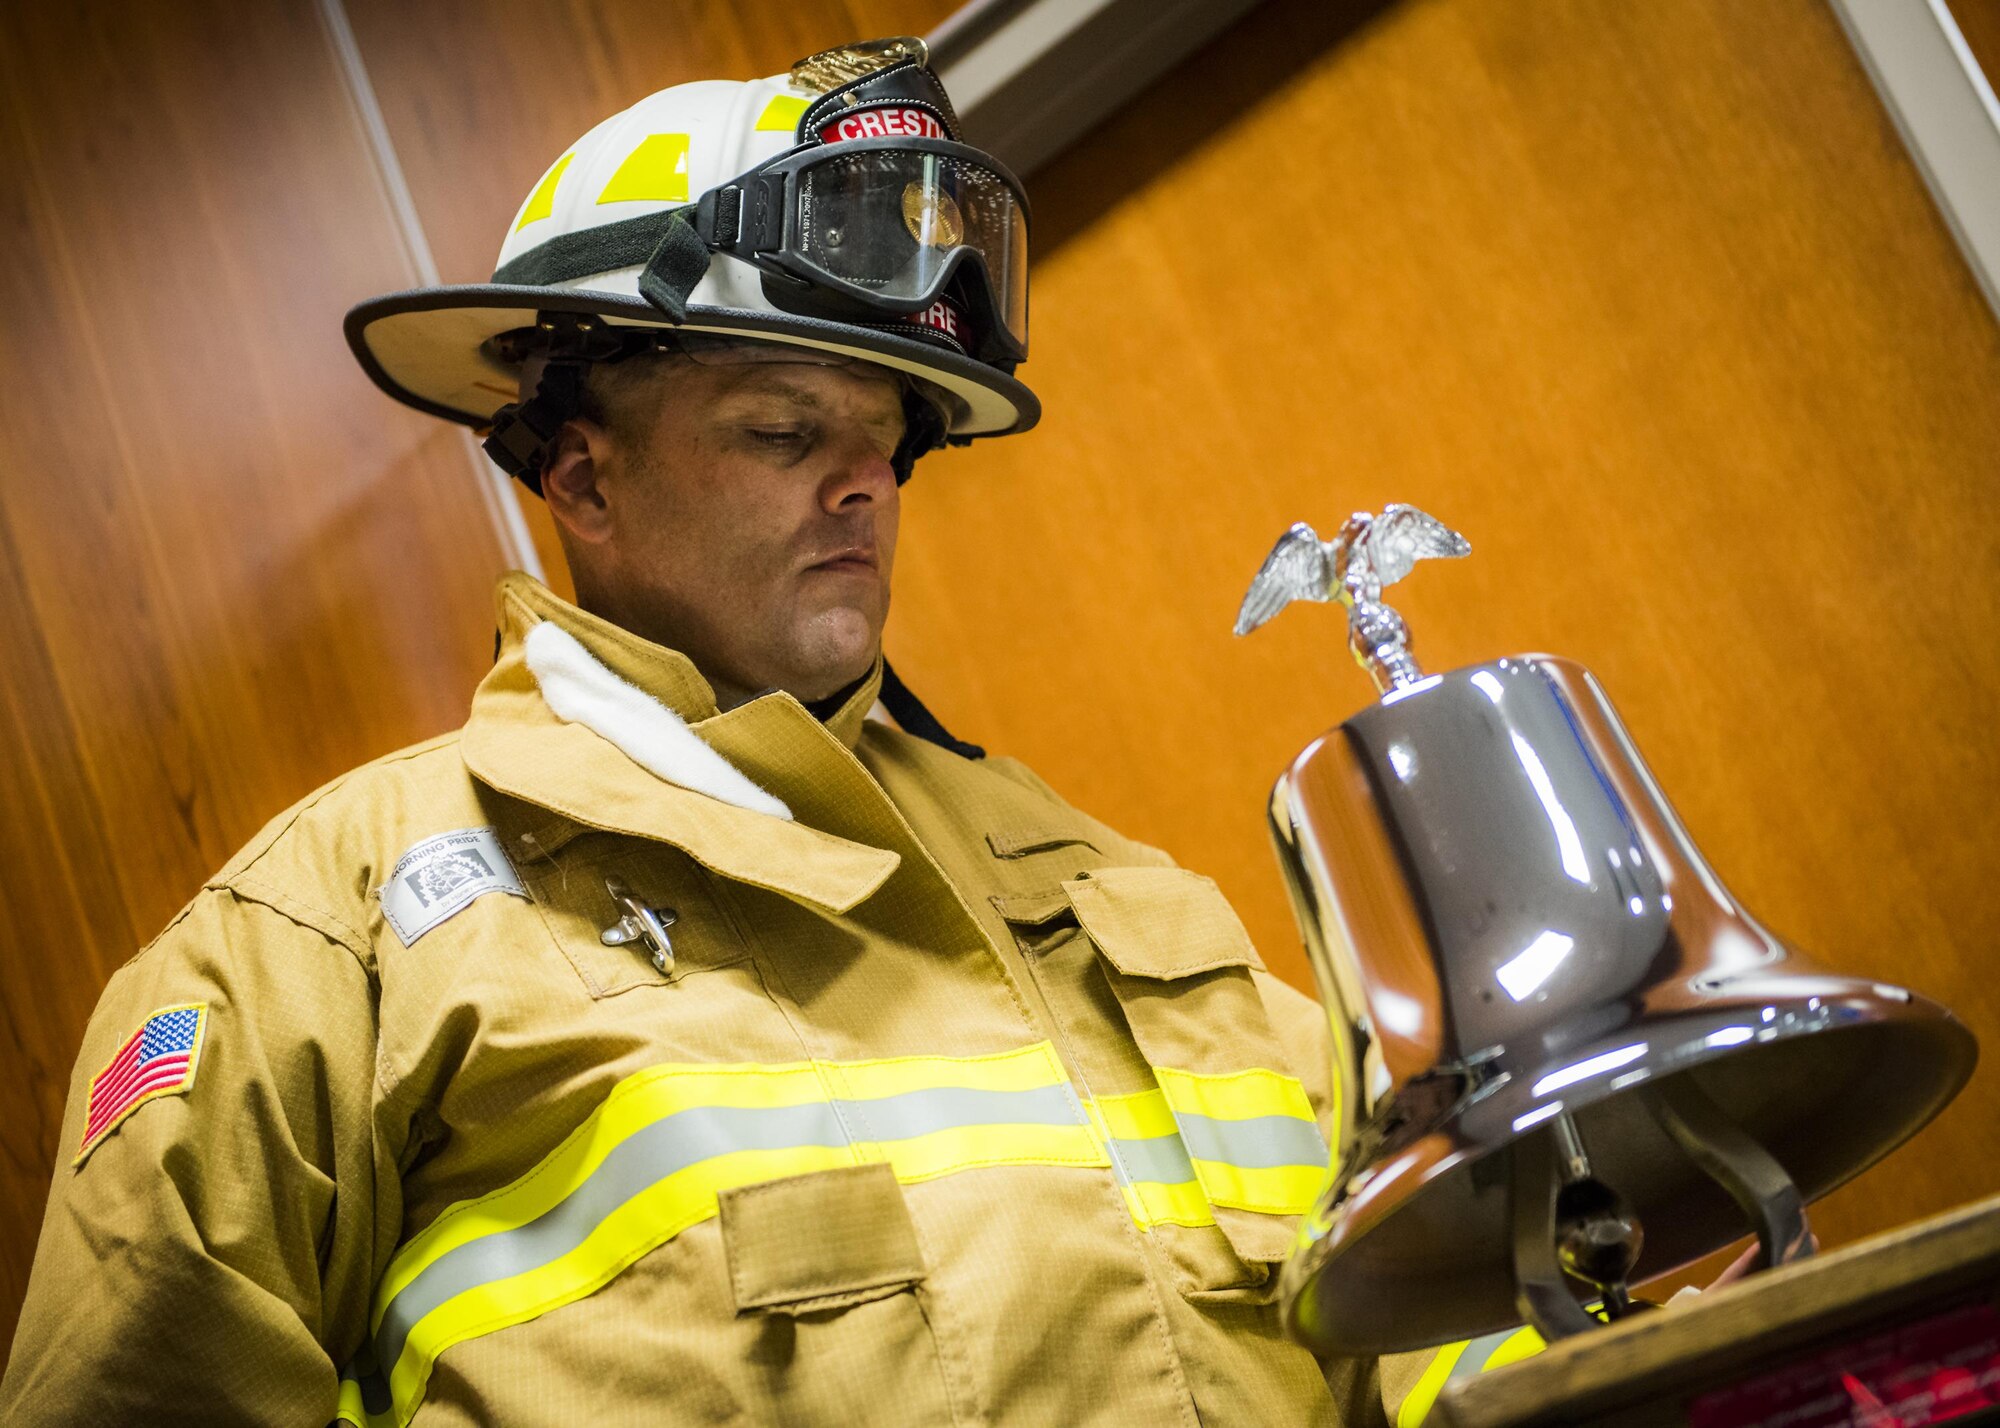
428,348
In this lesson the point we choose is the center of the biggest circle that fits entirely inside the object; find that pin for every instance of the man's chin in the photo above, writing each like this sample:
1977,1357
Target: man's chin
836,649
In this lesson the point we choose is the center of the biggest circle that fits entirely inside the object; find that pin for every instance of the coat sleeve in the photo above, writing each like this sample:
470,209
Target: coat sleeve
209,1260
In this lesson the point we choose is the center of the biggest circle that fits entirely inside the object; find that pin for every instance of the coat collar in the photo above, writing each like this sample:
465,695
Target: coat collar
515,743
522,602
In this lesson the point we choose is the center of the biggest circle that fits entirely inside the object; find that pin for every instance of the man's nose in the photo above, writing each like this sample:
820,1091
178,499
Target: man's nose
862,476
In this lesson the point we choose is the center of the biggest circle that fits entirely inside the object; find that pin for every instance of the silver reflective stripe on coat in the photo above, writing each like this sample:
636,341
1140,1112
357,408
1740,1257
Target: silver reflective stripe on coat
1260,1143
688,1138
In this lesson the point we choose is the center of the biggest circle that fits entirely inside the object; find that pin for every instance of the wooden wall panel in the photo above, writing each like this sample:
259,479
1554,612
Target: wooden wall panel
1979,22
1646,299
229,569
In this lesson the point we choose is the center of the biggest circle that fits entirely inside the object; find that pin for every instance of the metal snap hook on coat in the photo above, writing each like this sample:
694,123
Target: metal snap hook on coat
640,923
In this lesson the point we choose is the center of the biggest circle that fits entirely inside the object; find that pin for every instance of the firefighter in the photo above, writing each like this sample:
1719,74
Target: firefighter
676,1042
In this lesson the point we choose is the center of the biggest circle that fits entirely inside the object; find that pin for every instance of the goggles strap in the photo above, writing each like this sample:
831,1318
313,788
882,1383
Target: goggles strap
673,269
673,255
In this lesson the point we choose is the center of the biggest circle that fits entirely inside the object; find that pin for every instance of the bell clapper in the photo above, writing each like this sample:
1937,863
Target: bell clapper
1568,1225
1542,1294
1598,1237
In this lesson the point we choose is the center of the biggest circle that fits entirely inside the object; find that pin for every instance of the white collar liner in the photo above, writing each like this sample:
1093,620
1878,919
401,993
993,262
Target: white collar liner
578,688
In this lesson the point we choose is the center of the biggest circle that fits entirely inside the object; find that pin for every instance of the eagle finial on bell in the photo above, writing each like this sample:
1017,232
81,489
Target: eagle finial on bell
1370,553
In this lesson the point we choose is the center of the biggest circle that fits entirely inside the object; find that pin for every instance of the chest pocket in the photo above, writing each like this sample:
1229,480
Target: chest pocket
1228,1137
573,890
831,1263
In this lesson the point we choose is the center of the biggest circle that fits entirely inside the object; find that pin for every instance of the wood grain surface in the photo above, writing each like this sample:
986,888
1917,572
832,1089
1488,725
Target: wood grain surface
1646,299
1979,22
228,569
1643,1371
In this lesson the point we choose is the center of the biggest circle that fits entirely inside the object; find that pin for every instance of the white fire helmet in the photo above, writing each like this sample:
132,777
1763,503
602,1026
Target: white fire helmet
831,211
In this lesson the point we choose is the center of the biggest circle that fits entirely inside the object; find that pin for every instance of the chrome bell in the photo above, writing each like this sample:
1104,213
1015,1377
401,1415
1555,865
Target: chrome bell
1565,1059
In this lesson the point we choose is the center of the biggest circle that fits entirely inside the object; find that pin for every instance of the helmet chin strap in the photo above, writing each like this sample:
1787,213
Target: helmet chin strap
923,430
522,431
913,718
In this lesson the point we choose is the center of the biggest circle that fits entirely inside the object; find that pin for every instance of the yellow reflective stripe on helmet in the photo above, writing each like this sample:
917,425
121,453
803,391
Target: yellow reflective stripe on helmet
656,171
542,202
783,112
651,1160
1252,1137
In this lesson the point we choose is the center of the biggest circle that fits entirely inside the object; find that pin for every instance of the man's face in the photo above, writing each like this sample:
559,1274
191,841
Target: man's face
743,514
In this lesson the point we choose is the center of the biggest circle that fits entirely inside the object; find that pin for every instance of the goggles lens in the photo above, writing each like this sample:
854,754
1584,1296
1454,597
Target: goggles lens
896,222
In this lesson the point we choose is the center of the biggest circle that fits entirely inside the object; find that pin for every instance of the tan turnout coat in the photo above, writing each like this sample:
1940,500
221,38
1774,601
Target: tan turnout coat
952,1106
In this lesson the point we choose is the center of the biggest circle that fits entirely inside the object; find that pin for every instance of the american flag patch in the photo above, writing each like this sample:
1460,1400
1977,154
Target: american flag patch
156,1060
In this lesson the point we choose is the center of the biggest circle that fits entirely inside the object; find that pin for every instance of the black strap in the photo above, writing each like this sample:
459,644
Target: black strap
909,713
674,268
522,431
923,431
674,255
590,250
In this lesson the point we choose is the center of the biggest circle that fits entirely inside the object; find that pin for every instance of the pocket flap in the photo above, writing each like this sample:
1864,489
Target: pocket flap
1033,909
819,1241
1020,842
1165,923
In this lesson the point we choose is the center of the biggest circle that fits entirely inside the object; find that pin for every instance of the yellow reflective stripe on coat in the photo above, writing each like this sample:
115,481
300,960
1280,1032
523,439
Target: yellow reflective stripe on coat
1247,1140
1463,1360
1252,1138
1150,1160
364,1398
650,1162
1437,1373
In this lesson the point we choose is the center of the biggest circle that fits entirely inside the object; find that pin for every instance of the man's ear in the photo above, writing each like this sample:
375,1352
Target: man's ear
573,482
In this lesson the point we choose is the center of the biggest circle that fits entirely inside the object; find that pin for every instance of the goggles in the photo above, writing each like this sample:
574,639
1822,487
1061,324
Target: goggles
885,230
